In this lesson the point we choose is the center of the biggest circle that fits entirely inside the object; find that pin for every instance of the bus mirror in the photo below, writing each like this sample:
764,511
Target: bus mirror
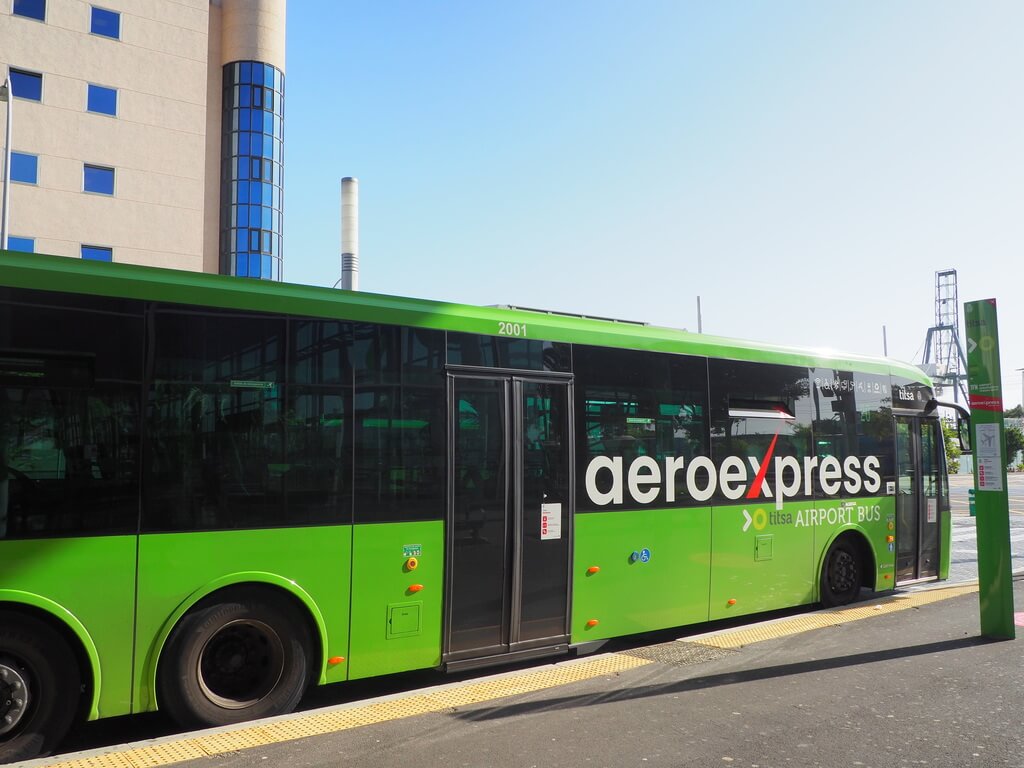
963,432
963,422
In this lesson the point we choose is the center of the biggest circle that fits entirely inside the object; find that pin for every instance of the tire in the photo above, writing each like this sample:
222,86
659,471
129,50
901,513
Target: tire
841,574
243,657
40,687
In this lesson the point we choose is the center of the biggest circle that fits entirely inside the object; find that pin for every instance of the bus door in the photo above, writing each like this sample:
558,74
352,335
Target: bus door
509,526
919,497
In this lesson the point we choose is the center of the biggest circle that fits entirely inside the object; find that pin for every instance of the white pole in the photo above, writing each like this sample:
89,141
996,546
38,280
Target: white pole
700,323
350,233
7,96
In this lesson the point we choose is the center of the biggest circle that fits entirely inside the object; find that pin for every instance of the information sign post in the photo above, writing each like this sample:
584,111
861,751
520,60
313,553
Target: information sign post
988,440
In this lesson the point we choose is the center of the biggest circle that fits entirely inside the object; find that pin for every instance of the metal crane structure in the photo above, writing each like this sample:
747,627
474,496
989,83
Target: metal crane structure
943,352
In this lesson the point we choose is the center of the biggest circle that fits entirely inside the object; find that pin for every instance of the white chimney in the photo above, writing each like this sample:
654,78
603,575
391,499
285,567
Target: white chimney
350,234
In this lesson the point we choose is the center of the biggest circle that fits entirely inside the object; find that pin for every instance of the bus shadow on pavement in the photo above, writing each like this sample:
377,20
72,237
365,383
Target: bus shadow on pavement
717,680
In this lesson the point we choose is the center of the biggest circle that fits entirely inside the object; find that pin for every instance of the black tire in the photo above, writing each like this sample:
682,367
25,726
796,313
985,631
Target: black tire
841,573
243,657
40,687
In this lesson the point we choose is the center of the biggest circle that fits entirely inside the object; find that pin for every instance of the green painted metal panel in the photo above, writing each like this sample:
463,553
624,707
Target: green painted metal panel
93,580
178,569
630,595
801,533
395,628
740,582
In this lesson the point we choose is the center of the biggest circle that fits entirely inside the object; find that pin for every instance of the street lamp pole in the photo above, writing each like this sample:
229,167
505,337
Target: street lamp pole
5,205
1021,391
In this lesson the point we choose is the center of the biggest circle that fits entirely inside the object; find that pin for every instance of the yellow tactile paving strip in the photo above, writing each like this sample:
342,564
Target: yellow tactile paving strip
299,727
797,624
452,697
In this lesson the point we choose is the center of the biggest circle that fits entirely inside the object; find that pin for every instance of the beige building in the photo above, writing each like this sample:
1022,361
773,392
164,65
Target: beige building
147,131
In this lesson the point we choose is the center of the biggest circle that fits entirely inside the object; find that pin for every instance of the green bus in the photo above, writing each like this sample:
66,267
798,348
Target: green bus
215,492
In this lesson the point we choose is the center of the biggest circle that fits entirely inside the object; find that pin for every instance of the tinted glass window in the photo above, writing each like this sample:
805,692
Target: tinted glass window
26,85
639,414
853,424
106,23
25,244
99,179
250,237
215,449
761,414
102,100
318,432
24,168
501,352
400,430
69,416
33,9
97,253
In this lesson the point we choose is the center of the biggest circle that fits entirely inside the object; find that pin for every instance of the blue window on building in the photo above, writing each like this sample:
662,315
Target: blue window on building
27,85
106,23
33,9
97,253
102,100
23,244
24,168
251,218
99,179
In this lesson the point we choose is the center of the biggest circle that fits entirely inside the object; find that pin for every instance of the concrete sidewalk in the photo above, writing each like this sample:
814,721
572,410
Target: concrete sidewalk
905,686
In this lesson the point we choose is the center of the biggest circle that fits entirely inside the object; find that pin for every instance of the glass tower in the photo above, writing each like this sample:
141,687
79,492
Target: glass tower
252,170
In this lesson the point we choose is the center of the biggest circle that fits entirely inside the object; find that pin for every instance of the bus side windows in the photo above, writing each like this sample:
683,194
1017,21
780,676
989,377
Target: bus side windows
635,405
69,418
760,413
399,424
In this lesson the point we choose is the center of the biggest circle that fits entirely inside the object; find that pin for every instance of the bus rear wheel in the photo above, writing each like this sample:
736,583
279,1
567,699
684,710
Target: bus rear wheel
841,574
241,658
39,687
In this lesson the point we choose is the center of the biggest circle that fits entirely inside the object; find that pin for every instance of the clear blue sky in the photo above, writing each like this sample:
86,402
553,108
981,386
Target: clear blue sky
804,167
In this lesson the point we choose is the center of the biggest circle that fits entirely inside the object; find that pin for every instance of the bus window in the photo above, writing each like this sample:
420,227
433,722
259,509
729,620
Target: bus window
318,429
759,412
853,417
634,404
68,419
399,417
215,446
499,352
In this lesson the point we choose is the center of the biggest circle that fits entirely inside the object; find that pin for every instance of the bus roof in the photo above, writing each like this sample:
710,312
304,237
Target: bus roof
58,273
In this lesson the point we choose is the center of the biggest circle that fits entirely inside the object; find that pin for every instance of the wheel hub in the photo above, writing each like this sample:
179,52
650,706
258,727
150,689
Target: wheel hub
241,664
844,572
14,696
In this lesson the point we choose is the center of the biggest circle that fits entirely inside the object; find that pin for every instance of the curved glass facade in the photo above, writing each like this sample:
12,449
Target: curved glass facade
252,171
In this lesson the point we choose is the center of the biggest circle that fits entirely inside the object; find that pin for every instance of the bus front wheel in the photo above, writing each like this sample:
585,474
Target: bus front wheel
841,573
240,658
39,687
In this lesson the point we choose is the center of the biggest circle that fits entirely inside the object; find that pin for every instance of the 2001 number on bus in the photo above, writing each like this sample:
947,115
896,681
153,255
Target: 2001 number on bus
511,329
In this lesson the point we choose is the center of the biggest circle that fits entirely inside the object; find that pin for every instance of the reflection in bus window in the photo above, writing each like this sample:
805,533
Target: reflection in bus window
400,431
69,416
759,412
853,417
632,404
215,445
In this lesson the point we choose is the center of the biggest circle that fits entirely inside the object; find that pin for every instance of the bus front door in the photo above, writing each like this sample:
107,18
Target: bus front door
509,526
919,498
